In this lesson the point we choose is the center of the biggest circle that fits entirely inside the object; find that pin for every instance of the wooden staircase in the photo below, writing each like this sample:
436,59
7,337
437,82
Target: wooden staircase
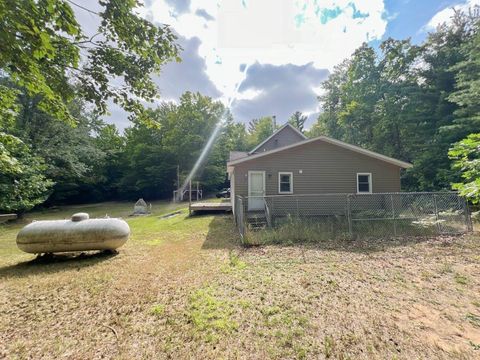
257,220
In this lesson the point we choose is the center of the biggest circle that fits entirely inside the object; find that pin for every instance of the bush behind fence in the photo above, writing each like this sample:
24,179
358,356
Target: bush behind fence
355,215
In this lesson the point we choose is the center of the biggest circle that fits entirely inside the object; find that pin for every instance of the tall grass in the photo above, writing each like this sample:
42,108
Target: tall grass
294,230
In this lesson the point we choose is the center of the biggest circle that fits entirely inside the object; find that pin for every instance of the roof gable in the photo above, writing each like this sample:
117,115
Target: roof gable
285,127
339,143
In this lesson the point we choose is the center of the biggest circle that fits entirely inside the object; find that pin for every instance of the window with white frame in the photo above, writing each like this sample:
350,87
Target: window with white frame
285,183
364,183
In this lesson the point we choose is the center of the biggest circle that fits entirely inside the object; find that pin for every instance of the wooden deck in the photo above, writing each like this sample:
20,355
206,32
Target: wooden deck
6,217
211,206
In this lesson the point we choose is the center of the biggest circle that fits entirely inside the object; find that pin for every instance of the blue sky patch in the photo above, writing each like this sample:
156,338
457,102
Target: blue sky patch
357,14
326,15
299,19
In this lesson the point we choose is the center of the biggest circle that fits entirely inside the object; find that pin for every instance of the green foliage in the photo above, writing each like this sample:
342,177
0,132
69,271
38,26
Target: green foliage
210,315
158,310
298,120
72,158
22,183
467,87
8,163
466,153
153,154
40,51
50,69
466,156
259,130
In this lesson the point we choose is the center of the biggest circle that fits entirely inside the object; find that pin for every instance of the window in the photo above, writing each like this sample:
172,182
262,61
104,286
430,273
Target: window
285,183
364,183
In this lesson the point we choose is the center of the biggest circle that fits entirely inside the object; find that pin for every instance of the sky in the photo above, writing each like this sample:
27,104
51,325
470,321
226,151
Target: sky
269,57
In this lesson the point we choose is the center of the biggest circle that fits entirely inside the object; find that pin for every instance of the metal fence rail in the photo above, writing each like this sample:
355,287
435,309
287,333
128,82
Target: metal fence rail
365,215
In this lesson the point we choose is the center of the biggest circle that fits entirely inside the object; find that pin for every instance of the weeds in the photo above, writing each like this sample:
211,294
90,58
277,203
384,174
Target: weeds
461,279
474,346
158,310
234,263
328,346
210,315
473,319
296,231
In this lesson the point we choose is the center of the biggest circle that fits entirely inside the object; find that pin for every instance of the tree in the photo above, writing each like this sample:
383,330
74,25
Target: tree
7,118
70,154
22,183
439,55
331,102
466,157
298,120
109,171
40,50
259,130
467,87
152,154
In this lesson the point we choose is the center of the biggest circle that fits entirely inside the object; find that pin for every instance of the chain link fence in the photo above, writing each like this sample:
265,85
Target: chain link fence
355,215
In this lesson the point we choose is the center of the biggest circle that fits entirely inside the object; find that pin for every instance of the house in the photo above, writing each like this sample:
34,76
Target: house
287,163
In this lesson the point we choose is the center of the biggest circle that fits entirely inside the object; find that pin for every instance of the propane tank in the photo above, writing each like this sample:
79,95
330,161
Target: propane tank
80,233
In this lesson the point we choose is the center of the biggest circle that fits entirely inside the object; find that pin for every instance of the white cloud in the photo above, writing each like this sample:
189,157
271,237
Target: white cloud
274,32
278,90
248,94
445,15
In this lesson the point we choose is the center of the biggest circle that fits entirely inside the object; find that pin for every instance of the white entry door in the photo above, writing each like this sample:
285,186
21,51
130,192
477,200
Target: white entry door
256,190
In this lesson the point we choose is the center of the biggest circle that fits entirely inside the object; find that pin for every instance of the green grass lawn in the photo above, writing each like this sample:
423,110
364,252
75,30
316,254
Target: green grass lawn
183,287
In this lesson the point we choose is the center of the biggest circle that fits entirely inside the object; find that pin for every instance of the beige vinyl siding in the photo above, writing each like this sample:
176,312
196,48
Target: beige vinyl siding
286,136
326,168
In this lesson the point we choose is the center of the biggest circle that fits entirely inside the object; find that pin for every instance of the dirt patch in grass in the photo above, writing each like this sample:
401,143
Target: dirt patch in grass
184,288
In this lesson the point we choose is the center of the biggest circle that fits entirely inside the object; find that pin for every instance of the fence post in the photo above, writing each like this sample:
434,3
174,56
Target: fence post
436,213
244,221
393,214
468,218
272,211
298,212
349,217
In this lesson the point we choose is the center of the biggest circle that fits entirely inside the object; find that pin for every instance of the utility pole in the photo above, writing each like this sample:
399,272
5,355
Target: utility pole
190,197
178,177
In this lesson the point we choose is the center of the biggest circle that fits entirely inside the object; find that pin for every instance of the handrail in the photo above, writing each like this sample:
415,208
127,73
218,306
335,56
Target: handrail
267,213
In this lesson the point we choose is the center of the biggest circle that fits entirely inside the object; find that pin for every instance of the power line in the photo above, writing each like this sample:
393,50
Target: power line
83,8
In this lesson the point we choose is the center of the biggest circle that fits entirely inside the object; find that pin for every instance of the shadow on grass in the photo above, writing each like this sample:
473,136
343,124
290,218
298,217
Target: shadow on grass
222,234
52,263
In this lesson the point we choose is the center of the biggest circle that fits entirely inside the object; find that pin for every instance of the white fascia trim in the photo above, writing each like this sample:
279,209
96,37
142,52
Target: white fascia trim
354,148
275,133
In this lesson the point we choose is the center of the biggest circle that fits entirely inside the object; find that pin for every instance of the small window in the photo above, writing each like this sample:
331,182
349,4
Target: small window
285,182
364,183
